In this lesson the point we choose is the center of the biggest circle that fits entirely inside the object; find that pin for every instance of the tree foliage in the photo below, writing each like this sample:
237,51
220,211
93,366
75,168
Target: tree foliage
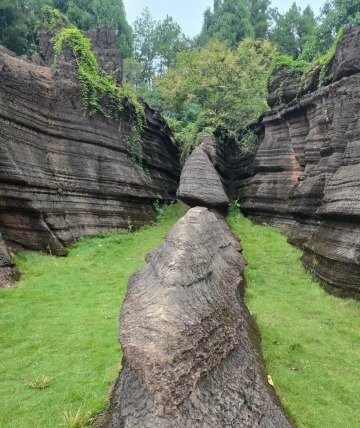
156,44
216,87
19,20
293,30
259,17
229,22
334,15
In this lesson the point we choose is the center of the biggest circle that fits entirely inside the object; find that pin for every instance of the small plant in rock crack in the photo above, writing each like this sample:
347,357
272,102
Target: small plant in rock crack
158,208
234,207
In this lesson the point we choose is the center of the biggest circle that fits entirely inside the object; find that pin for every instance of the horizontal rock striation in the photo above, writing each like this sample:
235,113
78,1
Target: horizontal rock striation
306,173
191,351
64,174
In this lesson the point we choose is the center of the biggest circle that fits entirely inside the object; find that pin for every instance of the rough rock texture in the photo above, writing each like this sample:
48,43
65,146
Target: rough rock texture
286,86
200,184
305,175
63,174
104,46
347,57
191,351
8,272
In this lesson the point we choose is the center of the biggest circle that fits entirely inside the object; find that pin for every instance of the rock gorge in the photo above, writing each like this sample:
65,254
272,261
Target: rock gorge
64,174
305,174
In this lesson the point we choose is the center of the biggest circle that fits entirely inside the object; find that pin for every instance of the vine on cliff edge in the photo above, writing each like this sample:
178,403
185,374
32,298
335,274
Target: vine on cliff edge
305,69
100,93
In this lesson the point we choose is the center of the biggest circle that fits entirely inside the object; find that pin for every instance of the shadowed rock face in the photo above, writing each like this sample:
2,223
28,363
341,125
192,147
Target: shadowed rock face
190,358
200,184
63,174
306,173
8,272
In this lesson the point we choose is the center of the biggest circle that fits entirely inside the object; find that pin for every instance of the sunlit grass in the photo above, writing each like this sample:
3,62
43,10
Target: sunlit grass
58,328
310,339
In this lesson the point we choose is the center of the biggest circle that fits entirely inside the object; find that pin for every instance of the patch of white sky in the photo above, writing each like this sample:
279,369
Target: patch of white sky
189,13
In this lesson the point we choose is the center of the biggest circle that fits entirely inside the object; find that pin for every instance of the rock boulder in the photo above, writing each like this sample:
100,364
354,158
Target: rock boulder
191,351
200,183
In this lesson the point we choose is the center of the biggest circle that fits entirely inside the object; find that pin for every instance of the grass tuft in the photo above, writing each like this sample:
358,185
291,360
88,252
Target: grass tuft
76,418
39,382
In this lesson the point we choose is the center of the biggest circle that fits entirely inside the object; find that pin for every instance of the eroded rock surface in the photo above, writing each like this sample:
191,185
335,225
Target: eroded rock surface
64,174
305,175
191,351
200,183
8,271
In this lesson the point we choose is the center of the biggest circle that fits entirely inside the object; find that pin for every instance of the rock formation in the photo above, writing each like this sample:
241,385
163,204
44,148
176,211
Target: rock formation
191,350
305,176
8,271
64,174
200,184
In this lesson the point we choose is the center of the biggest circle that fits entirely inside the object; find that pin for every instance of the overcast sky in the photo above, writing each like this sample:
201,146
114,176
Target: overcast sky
189,13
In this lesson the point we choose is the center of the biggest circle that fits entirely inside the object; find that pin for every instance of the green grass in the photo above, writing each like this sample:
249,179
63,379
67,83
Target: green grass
58,328
311,340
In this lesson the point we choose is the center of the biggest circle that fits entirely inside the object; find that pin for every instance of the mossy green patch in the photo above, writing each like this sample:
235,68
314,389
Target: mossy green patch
310,339
59,324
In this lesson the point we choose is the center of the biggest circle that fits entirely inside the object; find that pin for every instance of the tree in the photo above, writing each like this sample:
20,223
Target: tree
229,86
334,15
19,20
112,13
13,27
229,23
259,17
144,49
168,40
293,30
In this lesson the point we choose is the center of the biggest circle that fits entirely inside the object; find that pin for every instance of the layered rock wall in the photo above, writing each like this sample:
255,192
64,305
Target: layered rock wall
64,174
305,176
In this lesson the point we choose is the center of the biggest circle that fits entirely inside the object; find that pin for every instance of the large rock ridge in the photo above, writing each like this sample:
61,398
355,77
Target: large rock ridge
64,174
191,350
305,175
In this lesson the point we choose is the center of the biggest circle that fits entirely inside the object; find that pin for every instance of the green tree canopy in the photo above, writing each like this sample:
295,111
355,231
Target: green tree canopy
218,87
334,15
293,30
19,19
156,44
229,22
259,17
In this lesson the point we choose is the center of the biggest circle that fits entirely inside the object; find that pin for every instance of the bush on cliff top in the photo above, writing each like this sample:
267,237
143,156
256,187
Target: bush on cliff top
305,69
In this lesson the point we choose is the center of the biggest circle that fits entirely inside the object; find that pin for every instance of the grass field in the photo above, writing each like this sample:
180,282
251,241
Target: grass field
311,340
58,328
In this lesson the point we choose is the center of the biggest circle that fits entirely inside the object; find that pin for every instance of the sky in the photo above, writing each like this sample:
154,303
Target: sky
189,13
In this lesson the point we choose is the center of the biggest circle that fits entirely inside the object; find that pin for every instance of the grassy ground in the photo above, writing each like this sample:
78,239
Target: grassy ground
58,328
311,340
